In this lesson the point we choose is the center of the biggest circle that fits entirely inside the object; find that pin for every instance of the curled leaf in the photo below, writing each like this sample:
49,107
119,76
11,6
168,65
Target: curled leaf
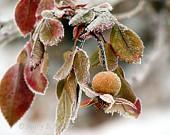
15,96
81,67
126,44
25,15
37,54
51,32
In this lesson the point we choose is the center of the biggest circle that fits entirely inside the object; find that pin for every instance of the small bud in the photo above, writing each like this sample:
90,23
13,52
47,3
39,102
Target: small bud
107,83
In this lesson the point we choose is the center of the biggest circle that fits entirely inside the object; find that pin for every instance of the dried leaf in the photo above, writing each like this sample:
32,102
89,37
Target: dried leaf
82,17
15,96
126,90
123,107
81,67
126,44
25,15
103,22
66,104
37,54
51,32
64,71
45,5
110,57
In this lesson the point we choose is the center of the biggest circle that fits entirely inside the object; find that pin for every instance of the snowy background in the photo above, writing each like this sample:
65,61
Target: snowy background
150,80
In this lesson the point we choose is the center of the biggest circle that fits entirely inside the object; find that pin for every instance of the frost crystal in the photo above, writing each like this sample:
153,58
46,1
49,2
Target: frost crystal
82,17
103,22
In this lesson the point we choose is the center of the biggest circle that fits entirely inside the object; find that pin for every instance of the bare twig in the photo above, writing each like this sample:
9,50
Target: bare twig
8,32
132,12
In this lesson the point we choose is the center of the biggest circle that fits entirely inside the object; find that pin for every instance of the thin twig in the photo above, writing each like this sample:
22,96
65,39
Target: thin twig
102,51
132,12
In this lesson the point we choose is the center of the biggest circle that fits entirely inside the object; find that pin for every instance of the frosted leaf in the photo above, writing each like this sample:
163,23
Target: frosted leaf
66,104
103,22
82,17
123,107
37,54
51,32
82,66
126,43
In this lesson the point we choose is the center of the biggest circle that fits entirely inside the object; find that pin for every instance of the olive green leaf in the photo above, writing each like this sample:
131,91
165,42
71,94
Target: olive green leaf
126,43
66,103
126,90
94,59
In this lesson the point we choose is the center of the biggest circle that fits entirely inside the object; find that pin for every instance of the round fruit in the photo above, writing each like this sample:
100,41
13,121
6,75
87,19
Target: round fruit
107,83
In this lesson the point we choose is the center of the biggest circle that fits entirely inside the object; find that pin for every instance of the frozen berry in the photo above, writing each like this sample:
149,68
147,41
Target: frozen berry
107,83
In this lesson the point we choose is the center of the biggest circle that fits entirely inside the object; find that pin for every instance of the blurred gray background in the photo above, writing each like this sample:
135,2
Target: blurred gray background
150,80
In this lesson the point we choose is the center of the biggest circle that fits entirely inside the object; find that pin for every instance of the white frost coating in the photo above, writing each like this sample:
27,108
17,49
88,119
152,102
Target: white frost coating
75,112
52,13
83,16
108,98
103,22
88,91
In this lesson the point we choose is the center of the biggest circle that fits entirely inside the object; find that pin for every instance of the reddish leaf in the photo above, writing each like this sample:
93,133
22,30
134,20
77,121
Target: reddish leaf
87,102
15,96
25,15
51,32
45,5
34,78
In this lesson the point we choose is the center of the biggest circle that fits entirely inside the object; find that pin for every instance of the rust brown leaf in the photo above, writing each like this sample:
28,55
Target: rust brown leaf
127,44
